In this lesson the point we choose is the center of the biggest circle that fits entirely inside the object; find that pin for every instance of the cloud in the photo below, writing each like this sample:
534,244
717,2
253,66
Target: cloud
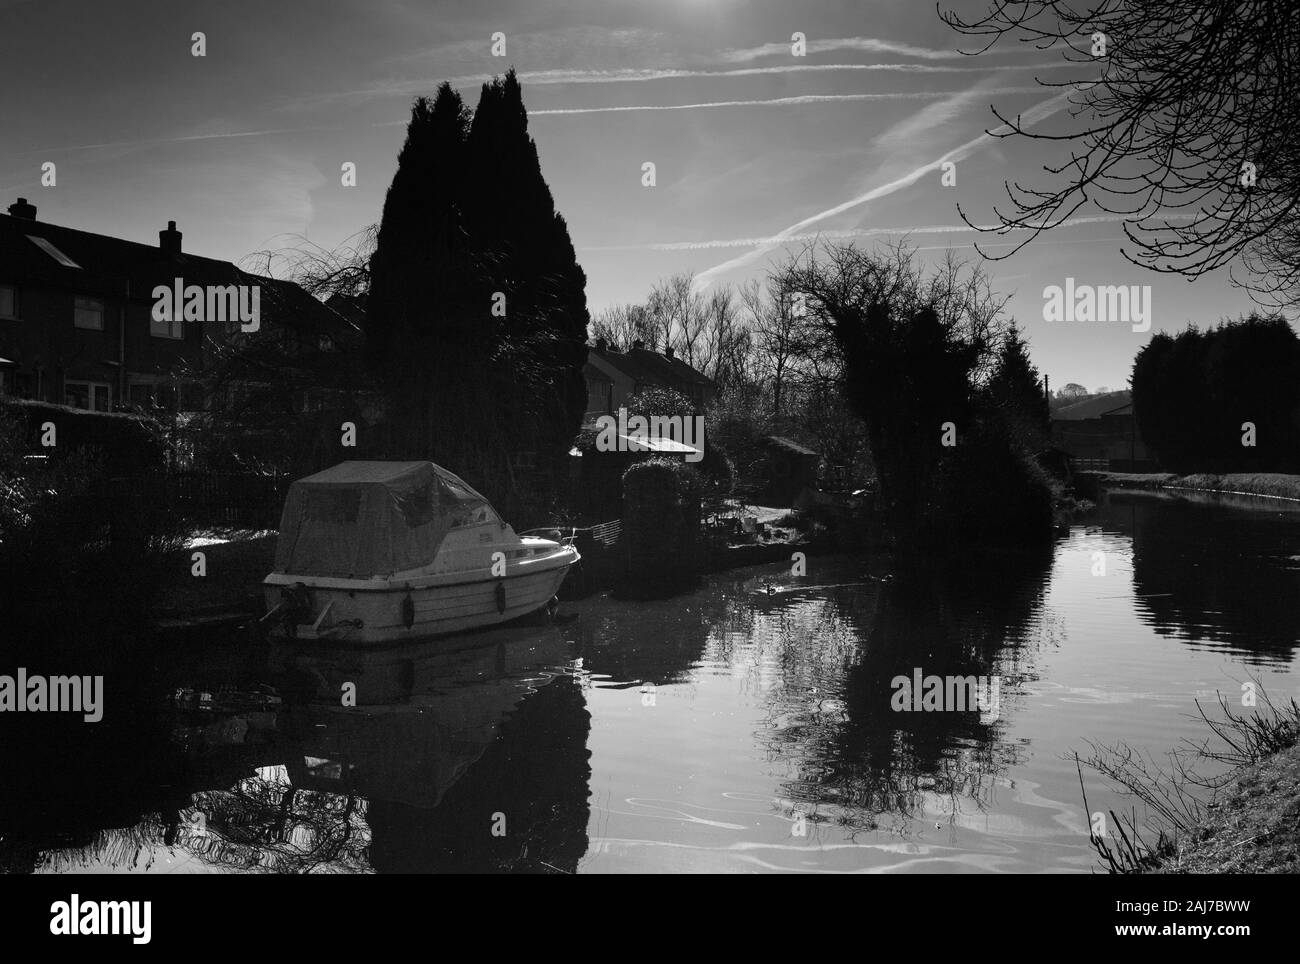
1035,114
549,46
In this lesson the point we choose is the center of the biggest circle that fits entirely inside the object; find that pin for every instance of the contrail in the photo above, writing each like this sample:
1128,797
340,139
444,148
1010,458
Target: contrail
778,101
867,44
641,75
858,233
178,140
627,75
1038,112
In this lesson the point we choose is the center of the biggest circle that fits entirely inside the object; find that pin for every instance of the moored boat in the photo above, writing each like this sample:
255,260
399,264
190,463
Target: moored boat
378,552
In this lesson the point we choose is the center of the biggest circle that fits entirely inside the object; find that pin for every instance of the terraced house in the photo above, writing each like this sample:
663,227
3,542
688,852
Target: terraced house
78,325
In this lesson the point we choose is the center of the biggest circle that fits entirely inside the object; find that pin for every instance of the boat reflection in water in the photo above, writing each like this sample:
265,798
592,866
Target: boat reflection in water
439,764
449,749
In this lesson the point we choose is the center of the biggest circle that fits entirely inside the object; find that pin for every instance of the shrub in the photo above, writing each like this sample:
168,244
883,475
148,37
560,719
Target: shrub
661,526
80,555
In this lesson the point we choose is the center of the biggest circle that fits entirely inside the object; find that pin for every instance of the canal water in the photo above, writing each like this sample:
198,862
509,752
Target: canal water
747,727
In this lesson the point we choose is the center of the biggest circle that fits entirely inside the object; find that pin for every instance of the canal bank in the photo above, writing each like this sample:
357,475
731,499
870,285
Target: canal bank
1272,485
1252,826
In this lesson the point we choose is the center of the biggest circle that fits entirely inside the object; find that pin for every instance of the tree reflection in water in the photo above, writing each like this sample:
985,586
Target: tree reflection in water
826,661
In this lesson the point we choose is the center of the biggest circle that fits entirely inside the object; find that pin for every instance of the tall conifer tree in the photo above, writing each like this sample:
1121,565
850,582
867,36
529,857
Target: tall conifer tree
469,219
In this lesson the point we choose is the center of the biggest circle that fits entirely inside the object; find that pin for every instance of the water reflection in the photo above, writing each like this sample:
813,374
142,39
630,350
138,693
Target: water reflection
1228,579
835,716
440,749
747,726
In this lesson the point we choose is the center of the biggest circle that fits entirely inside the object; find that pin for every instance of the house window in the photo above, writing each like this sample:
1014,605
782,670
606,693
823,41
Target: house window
598,396
88,313
53,252
141,394
93,396
173,327
16,384
8,301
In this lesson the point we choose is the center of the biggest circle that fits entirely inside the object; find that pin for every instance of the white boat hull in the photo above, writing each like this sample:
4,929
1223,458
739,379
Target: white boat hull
411,606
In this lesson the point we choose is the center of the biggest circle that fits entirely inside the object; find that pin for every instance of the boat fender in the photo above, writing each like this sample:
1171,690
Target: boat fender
501,597
408,611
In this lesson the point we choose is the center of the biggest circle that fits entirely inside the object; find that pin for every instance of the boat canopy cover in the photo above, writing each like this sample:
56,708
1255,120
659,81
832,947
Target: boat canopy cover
363,519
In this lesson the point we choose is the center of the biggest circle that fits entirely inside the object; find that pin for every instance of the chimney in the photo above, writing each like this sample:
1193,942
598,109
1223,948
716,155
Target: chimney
169,241
23,210
638,345
669,351
601,344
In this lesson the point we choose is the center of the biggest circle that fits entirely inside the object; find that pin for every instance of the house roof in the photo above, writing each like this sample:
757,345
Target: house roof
351,307
788,445
653,443
104,266
651,368
1109,404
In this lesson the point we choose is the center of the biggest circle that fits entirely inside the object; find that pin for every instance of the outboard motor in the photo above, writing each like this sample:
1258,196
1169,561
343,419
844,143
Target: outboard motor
297,607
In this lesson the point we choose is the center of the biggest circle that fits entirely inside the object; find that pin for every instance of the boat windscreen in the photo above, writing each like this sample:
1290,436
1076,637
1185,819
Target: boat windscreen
417,504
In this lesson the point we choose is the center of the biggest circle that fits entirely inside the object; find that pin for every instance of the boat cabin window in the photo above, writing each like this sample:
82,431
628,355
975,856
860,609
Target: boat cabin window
471,515
417,505
443,499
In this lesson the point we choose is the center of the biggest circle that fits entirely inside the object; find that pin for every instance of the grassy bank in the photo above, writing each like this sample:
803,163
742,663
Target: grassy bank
1253,826
1242,816
1275,485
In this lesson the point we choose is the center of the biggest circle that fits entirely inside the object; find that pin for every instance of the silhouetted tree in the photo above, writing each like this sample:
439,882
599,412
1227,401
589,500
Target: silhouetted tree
916,348
477,314
1193,393
1183,105
425,342
529,260
1015,394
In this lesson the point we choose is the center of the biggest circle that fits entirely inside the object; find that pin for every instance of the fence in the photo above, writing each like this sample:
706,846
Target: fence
210,499
1114,465
251,501
602,550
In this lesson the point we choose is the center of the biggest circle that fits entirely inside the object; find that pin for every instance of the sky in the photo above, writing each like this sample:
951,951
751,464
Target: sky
756,151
